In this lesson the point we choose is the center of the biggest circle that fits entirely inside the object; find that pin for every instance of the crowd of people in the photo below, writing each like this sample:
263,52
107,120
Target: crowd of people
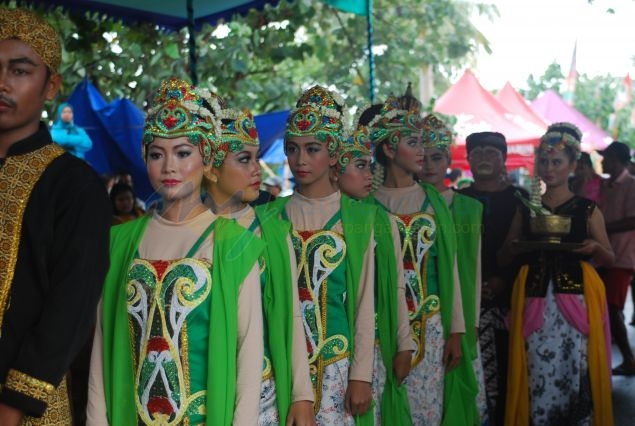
376,293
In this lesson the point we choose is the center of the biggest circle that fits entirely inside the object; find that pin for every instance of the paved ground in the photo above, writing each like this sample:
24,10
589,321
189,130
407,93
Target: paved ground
624,387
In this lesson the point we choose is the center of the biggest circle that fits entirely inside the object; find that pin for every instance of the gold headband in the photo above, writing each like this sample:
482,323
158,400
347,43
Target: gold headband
31,30
356,145
436,134
238,129
181,109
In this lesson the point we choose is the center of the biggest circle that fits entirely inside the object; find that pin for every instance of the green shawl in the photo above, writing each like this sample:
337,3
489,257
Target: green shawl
394,399
278,303
357,225
232,261
460,386
467,213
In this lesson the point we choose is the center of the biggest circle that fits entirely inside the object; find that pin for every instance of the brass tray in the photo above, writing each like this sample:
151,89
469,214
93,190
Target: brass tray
546,245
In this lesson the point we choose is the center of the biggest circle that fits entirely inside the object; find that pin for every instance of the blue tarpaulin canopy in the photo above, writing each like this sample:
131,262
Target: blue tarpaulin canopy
116,129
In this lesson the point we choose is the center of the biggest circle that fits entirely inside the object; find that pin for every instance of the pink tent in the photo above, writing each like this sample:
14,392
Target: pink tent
517,104
477,110
553,108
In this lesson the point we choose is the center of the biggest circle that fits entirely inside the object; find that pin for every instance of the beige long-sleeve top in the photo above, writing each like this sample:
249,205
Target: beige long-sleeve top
168,240
310,214
408,200
301,378
448,195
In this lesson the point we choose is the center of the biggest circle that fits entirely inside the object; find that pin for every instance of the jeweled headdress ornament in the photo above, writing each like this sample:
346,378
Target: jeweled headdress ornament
27,27
238,129
356,145
318,113
436,134
399,117
180,109
559,135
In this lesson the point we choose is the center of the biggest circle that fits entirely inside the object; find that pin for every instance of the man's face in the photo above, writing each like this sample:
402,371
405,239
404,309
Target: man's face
610,164
486,162
24,88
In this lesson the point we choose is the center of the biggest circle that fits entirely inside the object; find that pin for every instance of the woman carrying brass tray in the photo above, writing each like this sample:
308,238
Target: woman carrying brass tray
559,365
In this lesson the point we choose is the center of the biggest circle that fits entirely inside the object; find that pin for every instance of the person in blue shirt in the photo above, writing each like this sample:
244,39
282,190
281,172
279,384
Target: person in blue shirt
65,133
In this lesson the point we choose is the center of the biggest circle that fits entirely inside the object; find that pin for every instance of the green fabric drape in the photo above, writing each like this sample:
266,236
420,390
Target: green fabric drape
278,303
467,213
395,408
232,261
460,386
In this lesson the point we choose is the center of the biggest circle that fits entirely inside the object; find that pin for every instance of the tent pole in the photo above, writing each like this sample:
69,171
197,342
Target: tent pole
192,42
371,57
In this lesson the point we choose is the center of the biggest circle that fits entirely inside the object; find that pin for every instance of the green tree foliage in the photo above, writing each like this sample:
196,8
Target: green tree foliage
264,59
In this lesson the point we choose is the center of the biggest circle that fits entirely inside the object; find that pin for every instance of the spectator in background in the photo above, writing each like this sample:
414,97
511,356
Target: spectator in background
454,177
586,182
617,202
123,204
65,133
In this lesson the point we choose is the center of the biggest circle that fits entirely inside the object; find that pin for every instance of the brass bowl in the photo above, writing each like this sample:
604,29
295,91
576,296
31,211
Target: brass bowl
550,228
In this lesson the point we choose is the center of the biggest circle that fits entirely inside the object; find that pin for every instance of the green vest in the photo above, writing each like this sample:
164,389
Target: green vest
233,258
277,303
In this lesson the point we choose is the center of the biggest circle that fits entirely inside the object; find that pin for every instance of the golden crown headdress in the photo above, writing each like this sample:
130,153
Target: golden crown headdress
354,146
318,113
435,133
238,129
179,109
399,116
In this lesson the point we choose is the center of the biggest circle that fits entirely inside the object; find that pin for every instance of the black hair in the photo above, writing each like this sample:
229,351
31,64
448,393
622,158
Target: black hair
368,114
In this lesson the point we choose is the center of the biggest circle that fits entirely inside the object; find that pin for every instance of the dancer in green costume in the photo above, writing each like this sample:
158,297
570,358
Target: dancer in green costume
428,254
179,337
393,345
332,236
234,182
466,212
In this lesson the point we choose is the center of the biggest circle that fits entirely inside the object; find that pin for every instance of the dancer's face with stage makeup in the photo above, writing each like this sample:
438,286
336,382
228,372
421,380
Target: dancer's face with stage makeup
409,154
435,166
310,164
357,179
175,168
237,181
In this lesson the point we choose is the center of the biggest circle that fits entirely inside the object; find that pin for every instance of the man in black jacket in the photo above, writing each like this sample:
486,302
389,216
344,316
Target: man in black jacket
486,153
54,224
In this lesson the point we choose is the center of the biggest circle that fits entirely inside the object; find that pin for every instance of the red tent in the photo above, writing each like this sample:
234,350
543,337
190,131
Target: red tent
477,110
518,105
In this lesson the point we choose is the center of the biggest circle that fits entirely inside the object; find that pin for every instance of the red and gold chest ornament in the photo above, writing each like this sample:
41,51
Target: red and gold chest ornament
181,109
318,113
399,117
436,134
238,129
